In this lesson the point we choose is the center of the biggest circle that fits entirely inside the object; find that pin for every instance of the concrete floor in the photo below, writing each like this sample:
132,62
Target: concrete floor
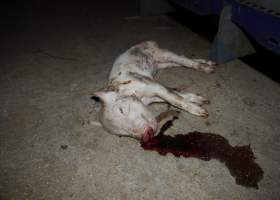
50,147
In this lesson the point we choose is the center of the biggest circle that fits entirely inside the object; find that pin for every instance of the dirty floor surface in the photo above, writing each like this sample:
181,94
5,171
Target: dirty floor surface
51,147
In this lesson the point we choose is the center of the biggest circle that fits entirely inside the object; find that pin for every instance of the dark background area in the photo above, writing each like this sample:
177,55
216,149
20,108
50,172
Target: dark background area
16,15
264,61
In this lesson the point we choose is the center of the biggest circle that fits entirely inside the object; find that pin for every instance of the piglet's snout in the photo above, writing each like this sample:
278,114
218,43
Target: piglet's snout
148,135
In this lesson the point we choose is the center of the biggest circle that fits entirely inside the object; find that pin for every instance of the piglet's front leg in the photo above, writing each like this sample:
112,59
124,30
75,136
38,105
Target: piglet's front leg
150,88
183,103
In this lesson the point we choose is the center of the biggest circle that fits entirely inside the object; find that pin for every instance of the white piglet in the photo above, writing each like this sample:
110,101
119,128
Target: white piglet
132,87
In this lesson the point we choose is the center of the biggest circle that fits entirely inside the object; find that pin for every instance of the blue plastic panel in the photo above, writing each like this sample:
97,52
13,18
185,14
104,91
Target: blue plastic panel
261,24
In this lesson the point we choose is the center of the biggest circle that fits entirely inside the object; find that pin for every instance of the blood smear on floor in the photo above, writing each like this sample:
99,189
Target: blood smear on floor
239,160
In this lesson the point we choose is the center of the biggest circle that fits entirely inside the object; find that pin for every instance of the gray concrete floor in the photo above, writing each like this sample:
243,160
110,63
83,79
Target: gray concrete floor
50,147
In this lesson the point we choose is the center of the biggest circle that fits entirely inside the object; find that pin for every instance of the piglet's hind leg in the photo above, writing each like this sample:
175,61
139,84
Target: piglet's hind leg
164,56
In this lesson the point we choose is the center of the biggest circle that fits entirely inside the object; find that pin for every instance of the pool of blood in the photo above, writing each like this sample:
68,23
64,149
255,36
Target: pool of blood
239,160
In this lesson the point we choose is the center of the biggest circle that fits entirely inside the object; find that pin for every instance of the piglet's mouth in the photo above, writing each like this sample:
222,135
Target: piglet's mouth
148,135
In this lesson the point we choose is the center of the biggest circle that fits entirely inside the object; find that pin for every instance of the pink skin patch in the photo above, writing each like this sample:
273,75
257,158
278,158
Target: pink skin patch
148,135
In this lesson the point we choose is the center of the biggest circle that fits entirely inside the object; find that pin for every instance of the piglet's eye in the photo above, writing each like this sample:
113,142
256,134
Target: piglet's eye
122,109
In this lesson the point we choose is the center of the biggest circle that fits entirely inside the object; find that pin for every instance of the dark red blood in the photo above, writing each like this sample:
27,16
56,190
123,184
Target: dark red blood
239,160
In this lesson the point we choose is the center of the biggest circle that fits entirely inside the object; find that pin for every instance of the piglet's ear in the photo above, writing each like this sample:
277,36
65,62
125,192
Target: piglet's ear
95,98
103,96
98,96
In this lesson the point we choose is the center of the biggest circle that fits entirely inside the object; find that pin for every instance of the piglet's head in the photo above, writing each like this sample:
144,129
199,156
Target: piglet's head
126,116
